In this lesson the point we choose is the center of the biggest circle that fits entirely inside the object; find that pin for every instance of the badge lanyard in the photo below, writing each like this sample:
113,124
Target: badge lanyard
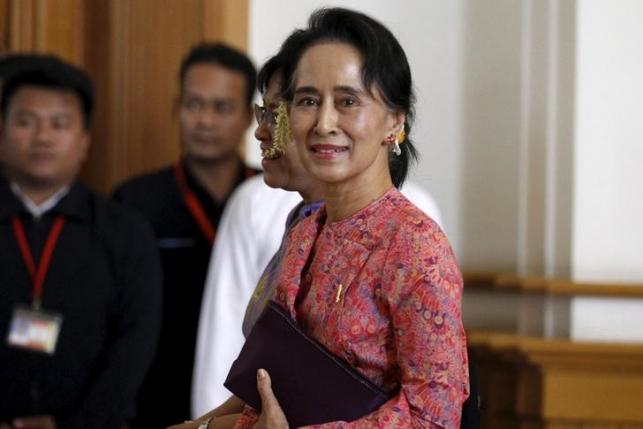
193,204
38,273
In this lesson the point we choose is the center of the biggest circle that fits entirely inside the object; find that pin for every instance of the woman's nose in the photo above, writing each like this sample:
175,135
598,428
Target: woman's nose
327,118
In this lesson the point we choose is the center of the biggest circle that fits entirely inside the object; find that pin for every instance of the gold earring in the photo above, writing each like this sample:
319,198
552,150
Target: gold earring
397,140
281,134
396,148
401,136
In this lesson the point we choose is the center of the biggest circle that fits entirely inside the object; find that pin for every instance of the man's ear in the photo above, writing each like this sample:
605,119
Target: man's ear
251,115
85,144
1,131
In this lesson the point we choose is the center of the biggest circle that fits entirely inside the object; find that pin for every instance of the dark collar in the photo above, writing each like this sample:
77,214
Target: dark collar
74,206
243,172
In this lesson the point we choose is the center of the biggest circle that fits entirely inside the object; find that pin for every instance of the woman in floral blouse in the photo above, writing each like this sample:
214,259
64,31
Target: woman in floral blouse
369,276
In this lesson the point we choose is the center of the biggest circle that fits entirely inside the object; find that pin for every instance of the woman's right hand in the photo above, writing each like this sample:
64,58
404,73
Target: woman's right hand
272,416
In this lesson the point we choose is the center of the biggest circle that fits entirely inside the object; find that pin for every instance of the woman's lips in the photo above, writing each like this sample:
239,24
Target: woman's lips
328,151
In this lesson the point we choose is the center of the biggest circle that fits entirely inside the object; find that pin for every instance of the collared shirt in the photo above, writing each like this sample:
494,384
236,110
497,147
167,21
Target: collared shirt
104,279
37,210
185,254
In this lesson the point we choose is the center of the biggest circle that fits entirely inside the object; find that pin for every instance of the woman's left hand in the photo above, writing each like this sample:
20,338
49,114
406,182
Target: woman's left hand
272,416
35,422
189,424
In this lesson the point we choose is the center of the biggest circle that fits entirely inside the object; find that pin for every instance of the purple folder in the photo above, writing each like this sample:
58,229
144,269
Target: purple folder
312,385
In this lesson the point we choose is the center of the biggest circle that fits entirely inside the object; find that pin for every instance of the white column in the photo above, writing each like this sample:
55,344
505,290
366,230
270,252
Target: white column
608,160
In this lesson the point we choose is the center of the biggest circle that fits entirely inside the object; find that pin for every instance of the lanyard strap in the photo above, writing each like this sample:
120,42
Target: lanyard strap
38,273
194,206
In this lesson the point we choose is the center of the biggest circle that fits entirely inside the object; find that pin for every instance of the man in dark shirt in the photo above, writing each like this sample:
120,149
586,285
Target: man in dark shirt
184,203
80,277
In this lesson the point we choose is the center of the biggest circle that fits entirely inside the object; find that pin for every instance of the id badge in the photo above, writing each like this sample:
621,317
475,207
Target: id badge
35,330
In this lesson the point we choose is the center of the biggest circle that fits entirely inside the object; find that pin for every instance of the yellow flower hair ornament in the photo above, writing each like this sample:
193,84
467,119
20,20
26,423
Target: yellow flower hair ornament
281,131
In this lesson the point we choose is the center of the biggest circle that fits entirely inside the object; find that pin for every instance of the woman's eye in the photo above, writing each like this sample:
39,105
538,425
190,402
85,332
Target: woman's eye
306,102
347,102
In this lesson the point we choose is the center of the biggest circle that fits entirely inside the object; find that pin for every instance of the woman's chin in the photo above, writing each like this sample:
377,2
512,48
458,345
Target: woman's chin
329,174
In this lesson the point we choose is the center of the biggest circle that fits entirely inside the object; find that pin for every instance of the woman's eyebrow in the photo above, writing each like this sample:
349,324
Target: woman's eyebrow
306,90
349,89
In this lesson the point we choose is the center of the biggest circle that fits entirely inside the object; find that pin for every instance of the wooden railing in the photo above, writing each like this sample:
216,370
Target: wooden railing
537,383
533,383
552,286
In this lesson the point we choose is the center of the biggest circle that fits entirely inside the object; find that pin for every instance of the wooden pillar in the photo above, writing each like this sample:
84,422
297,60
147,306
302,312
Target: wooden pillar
4,26
45,26
226,21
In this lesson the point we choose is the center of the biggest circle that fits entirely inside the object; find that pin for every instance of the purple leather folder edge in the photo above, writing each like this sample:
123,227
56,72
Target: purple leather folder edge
312,385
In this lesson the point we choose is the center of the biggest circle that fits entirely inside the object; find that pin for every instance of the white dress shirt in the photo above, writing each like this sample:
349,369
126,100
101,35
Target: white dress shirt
248,235
37,210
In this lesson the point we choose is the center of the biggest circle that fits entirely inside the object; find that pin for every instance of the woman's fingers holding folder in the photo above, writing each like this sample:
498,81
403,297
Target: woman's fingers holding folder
272,416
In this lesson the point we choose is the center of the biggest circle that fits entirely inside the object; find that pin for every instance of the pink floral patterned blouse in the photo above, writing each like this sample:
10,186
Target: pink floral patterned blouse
382,291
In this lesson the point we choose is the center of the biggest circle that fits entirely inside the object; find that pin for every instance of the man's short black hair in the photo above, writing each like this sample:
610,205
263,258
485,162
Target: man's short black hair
48,72
16,61
225,56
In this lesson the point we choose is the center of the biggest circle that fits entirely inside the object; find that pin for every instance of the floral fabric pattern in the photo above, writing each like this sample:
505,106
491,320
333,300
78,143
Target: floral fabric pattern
381,290
268,281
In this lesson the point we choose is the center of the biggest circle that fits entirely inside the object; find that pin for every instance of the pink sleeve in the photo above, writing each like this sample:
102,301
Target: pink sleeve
248,418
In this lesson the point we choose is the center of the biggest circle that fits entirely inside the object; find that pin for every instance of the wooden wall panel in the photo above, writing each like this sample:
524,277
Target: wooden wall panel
4,26
46,26
60,28
226,20
21,25
100,54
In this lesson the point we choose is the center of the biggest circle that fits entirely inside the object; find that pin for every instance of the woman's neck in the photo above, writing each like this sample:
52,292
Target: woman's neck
345,199
312,195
